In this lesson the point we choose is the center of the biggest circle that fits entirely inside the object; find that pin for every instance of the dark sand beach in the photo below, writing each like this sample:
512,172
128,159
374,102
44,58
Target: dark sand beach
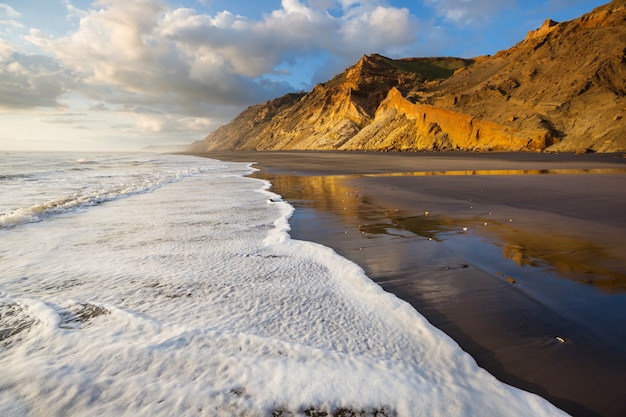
520,258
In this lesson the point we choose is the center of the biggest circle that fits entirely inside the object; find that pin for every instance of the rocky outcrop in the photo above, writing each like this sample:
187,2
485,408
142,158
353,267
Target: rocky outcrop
563,88
546,28
405,126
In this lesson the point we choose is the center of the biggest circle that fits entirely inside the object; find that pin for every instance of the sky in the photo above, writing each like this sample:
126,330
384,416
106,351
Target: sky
103,75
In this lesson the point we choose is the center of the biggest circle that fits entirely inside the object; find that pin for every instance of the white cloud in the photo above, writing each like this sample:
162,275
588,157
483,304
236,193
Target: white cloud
9,23
6,50
196,124
31,81
177,56
148,123
253,48
112,44
380,28
167,56
8,15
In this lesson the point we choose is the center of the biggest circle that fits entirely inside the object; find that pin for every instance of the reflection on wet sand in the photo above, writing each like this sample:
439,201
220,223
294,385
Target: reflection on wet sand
566,256
570,257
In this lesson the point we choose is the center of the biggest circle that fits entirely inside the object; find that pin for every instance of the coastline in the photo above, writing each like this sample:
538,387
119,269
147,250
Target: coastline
518,257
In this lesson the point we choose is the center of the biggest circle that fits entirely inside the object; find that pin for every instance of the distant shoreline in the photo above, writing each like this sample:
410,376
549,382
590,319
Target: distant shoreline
359,162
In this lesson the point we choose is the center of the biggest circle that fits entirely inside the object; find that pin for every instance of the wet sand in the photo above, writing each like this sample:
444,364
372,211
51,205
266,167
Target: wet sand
520,258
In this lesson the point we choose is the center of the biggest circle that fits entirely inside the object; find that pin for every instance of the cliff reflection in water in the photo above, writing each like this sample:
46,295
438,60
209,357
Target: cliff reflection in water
530,252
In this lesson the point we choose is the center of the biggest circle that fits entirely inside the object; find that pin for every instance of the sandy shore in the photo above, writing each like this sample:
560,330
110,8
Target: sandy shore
518,257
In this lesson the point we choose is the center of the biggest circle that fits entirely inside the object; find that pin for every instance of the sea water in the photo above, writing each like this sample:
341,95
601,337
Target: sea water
155,285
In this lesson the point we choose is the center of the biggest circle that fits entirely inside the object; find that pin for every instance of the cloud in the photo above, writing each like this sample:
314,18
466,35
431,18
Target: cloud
8,16
379,29
111,45
142,51
170,124
466,12
31,81
6,50
9,24
182,60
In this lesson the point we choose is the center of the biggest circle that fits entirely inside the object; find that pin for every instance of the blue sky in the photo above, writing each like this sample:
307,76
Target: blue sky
124,74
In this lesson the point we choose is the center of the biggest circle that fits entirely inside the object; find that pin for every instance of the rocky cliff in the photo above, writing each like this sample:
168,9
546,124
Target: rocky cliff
563,88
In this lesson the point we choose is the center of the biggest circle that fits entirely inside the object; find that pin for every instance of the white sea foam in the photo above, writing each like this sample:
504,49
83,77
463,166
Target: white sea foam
193,300
72,187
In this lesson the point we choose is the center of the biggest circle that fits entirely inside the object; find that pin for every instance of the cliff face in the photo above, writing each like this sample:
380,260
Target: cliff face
568,80
561,89
405,126
331,113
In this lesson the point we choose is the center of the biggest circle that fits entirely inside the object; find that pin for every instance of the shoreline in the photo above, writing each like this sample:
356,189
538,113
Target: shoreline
504,264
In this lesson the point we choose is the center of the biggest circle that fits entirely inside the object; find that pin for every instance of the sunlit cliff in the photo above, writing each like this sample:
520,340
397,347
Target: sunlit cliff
563,88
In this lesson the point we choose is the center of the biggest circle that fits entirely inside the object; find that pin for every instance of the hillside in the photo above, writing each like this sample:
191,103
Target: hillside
563,88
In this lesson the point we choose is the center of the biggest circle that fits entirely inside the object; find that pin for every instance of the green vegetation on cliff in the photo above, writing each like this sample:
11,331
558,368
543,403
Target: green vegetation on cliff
430,68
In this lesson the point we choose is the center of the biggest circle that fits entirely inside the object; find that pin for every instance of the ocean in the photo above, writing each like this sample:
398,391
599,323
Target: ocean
168,285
